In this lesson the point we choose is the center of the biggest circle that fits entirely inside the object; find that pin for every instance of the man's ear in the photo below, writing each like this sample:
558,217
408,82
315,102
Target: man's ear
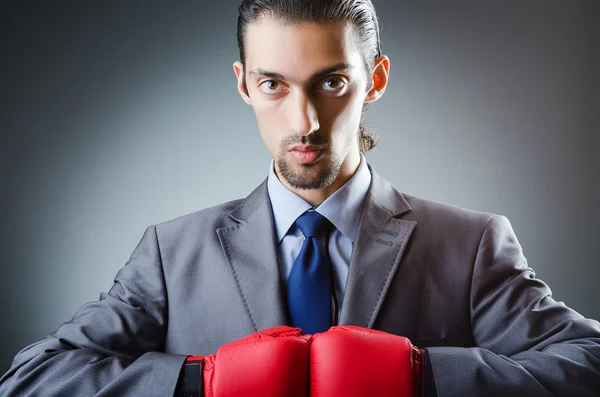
380,78
238,69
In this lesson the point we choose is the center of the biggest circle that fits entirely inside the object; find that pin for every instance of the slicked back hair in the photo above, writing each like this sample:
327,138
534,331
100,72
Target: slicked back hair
359,13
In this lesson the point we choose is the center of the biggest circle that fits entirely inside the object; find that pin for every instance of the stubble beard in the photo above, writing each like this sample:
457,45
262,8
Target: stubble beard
309,176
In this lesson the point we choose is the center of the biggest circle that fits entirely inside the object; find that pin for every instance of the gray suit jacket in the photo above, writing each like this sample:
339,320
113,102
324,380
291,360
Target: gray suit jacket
452,280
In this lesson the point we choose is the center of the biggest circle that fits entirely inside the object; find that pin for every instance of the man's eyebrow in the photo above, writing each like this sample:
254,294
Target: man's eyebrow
317,76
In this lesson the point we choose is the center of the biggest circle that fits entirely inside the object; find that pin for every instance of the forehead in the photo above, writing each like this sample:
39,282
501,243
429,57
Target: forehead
298,50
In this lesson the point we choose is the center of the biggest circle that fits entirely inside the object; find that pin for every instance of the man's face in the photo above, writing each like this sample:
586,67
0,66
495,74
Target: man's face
307,85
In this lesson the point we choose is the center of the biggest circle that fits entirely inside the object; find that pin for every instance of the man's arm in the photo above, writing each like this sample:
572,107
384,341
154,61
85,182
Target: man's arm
111,347
528,344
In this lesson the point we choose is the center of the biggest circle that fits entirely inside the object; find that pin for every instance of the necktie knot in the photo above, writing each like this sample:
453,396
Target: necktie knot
312,224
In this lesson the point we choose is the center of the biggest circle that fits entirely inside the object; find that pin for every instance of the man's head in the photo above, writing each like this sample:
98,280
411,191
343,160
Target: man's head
308,67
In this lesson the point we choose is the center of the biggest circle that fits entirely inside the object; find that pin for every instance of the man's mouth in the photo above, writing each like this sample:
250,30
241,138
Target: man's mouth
306,154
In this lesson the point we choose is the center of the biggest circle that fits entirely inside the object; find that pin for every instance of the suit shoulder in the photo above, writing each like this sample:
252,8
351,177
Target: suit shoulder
208,218
434,211
452,226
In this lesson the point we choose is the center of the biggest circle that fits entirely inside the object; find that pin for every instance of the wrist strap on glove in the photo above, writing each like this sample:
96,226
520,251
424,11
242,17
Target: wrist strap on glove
191,381
424,380
429,389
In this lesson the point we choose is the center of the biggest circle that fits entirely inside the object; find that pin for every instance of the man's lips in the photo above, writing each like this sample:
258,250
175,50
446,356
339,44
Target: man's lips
306,154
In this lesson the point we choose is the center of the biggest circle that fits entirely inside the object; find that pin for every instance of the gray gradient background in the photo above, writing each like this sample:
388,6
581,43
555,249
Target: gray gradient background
117,115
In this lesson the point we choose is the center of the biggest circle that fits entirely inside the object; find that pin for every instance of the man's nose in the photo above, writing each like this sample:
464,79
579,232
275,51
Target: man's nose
304,118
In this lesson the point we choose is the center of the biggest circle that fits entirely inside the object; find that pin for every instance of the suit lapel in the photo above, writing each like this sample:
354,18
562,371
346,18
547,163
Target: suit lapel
378,250
250,249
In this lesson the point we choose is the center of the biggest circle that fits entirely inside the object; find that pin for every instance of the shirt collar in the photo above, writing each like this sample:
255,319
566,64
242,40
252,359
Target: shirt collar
342,208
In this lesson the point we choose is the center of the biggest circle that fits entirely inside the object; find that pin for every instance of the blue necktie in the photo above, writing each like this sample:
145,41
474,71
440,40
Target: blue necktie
309,284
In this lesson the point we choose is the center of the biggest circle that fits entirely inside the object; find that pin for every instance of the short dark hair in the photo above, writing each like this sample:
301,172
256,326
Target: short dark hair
359,13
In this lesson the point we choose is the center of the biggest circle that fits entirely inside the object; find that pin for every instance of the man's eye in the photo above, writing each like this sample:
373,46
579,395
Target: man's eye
333,84
270,87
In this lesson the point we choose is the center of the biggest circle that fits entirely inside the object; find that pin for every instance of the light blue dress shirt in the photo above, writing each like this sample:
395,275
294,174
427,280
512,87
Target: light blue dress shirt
343,209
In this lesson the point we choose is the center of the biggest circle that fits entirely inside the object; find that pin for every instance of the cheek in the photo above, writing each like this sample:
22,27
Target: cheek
270,124
343,117
267,111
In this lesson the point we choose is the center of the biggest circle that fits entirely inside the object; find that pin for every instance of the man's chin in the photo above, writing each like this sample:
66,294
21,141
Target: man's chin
308,178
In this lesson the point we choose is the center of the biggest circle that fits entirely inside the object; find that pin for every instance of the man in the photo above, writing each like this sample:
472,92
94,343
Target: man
452,281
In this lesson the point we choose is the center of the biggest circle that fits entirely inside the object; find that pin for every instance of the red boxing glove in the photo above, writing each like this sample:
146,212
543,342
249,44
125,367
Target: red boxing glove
353,361
272,362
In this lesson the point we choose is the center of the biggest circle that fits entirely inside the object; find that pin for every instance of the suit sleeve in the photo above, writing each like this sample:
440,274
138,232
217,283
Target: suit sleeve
112,347
527,343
